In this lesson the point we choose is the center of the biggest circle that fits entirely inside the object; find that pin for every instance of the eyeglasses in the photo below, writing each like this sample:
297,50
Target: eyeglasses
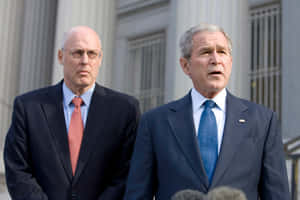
78,53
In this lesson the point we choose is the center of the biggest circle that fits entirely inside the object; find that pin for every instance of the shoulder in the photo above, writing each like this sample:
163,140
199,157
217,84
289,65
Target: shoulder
254,109
170,107
39,95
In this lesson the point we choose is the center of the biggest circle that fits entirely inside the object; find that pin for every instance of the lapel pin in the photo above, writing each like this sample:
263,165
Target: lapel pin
242,120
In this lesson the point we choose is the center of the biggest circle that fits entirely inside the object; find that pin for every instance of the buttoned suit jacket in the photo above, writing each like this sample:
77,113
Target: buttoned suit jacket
36,152
167,159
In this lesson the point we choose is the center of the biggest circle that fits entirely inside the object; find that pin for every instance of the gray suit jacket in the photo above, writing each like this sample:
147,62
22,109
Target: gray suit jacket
166,158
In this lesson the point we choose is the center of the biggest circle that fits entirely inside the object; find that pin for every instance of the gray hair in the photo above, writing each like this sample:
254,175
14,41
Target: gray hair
188,195
226,193
186,40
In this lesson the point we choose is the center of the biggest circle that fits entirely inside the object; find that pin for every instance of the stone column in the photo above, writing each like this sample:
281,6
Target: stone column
11,13
290,68
37,44
233,16
100,16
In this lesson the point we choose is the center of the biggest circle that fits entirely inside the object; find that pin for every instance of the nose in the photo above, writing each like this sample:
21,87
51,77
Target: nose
84,58
215,58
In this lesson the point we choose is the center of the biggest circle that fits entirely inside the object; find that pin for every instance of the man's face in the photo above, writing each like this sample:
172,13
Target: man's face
210,63
81,58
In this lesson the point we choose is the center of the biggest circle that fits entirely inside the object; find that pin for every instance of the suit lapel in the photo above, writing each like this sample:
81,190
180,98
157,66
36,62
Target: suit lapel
181,122
92,128
53,109
232,136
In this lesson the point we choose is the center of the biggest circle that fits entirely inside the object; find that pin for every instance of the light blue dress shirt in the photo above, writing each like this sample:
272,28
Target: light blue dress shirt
68,96
219,111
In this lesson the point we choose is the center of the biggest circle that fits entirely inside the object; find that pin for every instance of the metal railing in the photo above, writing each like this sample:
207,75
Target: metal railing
292,150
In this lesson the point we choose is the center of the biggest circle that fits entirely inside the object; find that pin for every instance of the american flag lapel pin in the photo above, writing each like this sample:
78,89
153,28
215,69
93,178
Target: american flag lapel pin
242,120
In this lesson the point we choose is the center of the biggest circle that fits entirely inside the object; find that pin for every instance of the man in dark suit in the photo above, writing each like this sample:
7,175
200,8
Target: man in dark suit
209,138
58,150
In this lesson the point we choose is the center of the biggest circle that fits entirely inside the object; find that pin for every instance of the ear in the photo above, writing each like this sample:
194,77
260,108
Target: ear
60,56
99,62
185,65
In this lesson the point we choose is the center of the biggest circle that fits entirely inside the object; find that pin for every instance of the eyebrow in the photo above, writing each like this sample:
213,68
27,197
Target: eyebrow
209,48
222,47
205,48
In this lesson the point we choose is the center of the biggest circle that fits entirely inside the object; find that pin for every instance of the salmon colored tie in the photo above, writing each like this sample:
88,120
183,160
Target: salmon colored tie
75,133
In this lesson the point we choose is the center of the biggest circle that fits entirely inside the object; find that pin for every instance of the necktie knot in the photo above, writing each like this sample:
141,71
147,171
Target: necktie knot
209,104
77,101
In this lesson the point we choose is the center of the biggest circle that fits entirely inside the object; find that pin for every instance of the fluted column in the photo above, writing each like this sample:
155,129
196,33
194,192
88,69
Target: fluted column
290,68
37,44
100,16
11,12
232,15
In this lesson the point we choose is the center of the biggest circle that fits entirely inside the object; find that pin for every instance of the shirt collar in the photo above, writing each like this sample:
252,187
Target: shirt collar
198,99
69,95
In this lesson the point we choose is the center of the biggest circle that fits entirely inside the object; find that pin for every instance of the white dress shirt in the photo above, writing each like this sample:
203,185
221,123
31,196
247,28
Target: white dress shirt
219,111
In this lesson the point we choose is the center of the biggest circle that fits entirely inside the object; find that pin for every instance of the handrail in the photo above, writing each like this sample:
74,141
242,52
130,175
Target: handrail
291,142
291,147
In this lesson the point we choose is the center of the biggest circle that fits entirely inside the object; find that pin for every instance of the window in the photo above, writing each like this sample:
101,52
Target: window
146,70
265,73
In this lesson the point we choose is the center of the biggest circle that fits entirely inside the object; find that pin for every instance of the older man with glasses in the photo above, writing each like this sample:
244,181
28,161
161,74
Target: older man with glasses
72,140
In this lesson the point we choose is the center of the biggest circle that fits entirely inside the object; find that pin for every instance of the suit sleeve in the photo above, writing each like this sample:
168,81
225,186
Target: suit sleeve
20,178
273,182
141,178
116,187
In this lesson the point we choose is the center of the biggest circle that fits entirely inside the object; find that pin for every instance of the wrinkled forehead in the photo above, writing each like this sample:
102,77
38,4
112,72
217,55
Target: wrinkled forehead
82,38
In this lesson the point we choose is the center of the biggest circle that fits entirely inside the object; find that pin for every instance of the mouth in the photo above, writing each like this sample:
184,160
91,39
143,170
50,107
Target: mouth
215,73
83,72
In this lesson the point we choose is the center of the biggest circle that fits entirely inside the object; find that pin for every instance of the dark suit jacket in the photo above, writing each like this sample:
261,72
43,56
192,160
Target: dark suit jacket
36,152
166,158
